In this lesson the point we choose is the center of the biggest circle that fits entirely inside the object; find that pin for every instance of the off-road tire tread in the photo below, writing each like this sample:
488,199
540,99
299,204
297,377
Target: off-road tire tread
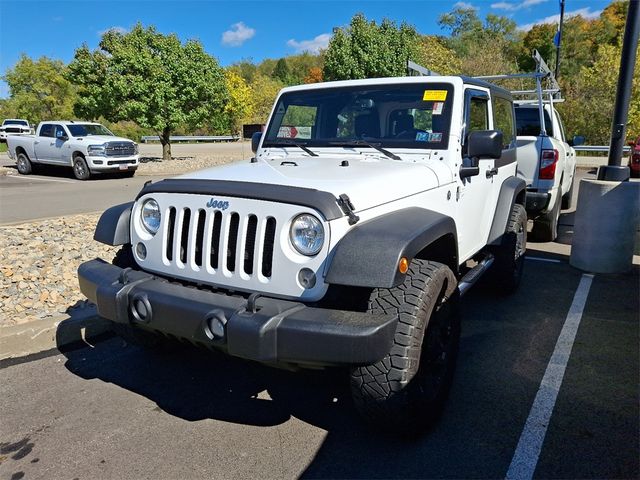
502,270
379,390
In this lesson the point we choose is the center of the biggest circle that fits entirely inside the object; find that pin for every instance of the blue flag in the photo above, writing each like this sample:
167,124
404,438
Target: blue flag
556,39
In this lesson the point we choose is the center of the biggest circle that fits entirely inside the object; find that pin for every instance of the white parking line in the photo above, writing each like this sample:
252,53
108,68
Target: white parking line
525,458
47,179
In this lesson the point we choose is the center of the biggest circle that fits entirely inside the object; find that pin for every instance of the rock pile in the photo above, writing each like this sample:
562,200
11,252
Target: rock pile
38,263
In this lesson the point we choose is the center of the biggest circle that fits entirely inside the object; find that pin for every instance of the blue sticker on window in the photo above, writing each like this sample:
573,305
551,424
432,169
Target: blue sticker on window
435,137
422,137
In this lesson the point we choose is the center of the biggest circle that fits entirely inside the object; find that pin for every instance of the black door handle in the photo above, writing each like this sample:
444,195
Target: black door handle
492,172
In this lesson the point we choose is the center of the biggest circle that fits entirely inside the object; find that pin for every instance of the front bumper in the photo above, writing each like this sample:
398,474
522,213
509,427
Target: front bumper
112,164
273,331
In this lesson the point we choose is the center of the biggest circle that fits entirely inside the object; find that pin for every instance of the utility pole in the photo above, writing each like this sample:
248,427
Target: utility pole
558,39
614,171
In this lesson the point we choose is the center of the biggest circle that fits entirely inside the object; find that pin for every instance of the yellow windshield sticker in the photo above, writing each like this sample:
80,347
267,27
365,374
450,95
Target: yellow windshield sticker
434,95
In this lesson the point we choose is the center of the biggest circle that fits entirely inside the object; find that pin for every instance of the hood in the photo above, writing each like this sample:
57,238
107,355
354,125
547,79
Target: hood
368,181
99,139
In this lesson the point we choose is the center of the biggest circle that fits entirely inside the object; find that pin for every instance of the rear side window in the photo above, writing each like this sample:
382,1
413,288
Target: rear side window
528,122
503,120
47,130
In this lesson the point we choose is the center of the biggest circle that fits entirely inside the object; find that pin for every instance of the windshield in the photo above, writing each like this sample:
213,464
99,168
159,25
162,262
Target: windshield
16,122
400,115
86,129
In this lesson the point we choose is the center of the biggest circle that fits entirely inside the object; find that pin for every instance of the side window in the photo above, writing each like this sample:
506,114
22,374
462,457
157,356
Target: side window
46,130
503,120
478,114
60,131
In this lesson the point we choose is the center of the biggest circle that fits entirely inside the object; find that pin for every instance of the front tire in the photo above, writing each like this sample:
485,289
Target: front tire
80,168
567,198
508,265
23,164
405,392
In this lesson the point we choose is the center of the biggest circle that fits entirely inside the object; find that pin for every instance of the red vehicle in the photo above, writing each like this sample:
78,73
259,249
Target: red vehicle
634,158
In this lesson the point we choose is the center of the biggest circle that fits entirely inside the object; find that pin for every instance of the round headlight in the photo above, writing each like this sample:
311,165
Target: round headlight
307,234
150,216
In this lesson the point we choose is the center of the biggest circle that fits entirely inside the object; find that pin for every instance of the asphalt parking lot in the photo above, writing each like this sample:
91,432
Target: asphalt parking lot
111,410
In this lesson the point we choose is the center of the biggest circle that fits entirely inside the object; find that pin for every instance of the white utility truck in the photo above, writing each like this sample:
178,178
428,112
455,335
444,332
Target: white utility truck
369,208
546,159
14,126
86,147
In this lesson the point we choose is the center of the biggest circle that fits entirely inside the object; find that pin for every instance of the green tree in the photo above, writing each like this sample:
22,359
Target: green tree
281,71
264,92
435,55
590,98
150,78
38,90
240,106
365,49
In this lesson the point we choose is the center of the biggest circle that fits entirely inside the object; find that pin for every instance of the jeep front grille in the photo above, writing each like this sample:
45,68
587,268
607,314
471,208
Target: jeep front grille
234,242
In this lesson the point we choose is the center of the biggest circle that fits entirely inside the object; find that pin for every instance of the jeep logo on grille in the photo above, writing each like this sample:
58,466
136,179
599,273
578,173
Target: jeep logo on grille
219,204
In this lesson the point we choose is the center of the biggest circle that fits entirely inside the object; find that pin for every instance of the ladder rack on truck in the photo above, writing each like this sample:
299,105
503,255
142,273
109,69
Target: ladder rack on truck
542,73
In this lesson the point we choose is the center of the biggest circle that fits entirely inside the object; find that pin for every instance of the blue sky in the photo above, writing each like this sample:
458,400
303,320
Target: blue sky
233,30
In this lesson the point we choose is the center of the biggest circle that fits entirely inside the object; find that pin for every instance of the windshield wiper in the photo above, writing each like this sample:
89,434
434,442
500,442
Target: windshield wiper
299,145
362,141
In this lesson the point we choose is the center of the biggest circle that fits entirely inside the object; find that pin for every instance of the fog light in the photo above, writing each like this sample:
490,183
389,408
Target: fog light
141,251
307,278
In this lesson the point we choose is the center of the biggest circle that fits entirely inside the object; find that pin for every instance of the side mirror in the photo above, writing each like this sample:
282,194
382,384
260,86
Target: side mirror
576,141
255,141
484,144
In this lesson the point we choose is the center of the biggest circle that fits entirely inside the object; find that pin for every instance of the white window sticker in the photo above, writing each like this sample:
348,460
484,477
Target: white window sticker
437,108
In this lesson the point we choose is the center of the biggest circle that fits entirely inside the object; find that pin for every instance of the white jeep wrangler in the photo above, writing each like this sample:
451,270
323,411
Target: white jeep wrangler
369,208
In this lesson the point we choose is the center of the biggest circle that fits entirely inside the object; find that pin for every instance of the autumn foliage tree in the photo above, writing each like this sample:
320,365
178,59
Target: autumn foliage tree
150,78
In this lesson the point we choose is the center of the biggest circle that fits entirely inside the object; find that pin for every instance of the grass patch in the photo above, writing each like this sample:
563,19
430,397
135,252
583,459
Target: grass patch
3,147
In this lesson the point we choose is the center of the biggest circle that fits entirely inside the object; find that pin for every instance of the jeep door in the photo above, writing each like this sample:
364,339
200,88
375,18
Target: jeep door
477,194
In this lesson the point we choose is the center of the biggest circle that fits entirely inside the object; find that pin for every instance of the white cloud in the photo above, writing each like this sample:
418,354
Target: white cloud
237,34
512,7
465,5
583,12
116,29
312,46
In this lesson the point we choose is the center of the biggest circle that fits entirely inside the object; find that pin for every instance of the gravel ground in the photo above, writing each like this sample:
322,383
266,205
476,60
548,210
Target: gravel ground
179,165
38,263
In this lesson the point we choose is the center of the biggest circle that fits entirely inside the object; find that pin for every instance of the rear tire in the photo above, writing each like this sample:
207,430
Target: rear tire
545,227
568,197
23,164
405,392
508,265
80,168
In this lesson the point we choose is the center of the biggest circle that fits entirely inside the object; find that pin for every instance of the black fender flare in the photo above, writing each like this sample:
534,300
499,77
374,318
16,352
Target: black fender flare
369,254
113,226
512,191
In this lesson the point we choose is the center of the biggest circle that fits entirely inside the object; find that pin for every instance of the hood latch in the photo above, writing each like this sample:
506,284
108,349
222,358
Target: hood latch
347,207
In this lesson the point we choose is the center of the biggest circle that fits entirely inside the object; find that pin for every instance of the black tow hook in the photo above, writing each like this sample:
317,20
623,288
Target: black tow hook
251,303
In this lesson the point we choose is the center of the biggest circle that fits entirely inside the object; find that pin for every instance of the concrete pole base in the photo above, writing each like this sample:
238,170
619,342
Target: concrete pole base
607,218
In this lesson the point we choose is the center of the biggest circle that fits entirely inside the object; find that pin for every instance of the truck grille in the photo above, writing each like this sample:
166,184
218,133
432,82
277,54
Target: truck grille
236,244
13,130
120,149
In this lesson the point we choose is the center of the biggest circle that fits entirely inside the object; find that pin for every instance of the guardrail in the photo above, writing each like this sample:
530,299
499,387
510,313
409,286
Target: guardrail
597,148
192,138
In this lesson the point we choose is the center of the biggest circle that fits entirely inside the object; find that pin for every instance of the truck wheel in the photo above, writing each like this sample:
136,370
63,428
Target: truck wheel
405,392
545,227
80,168
129,333
506,271
24,164
568,197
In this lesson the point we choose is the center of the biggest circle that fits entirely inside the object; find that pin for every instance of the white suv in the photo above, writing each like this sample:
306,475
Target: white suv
369,208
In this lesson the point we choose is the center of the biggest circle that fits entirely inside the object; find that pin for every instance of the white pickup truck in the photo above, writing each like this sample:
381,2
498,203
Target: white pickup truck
86,147
547,163
14,126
